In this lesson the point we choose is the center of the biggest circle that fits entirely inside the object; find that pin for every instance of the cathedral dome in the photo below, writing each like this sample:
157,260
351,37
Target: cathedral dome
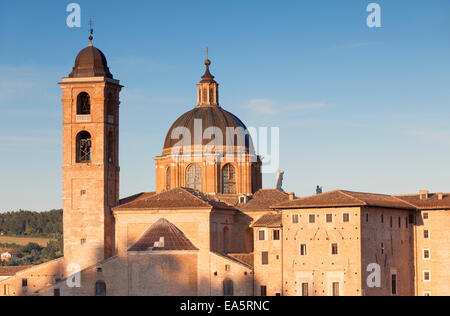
206,120
210,116
90,62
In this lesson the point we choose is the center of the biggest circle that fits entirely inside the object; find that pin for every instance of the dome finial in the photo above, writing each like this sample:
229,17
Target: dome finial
91,30
207,77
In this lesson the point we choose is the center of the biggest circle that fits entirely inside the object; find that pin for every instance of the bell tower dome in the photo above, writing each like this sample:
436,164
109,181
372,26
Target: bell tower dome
90,158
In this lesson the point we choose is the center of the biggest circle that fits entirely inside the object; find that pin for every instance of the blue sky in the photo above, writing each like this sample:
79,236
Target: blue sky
358,108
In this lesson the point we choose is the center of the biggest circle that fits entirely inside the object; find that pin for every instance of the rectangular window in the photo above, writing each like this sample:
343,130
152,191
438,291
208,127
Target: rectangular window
265,258
56,292
426,254
302,250
334,249
406,221
392,222
382,248
426,234
399,222
411,219
329,218
24,283
425,216
367,217
305,289
312,218
382,218
263,290
394,284
426,293
295,219
335,288
427,276
276,234
262,234
346,217
83,241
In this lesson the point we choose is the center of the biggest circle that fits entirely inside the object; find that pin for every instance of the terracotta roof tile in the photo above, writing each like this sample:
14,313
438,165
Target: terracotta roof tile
431,203
343,198
245,258
10,271
138,196
264,199
163,235
268,220
177,198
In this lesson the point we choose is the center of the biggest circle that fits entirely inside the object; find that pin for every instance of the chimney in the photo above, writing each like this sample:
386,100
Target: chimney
423,195
440,196
291,196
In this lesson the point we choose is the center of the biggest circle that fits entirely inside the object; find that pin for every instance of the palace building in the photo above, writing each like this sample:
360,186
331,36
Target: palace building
210,229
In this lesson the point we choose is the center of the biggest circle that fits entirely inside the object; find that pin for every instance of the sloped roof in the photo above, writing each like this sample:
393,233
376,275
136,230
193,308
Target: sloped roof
10,271
264,199
245,258
341,198
269,220
163,230
178,198
431,203
132,198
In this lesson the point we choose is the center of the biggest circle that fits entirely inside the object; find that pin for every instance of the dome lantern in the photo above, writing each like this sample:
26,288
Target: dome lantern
208,88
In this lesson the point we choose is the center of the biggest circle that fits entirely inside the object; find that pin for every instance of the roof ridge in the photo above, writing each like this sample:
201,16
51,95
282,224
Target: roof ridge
193,193
352,197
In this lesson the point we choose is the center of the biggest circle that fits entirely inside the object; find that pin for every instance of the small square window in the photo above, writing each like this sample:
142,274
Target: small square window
426,254
346,217
83,241
83,192
426,293
227,267
427,276
334,249
276,234
295,219
425,216
426,234
264,258
312,218
56,292
262,234
329,218
302,250
24,283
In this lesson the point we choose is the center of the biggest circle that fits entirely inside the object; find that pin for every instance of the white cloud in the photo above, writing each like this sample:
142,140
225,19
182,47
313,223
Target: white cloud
272,107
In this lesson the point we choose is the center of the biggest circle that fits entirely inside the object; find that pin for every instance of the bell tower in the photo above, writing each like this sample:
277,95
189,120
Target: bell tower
90,98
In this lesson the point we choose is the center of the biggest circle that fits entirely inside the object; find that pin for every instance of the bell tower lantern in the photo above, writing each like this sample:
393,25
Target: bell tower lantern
90,158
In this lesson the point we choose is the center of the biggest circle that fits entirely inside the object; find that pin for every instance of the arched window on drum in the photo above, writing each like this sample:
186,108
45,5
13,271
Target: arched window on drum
228,180
194,177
